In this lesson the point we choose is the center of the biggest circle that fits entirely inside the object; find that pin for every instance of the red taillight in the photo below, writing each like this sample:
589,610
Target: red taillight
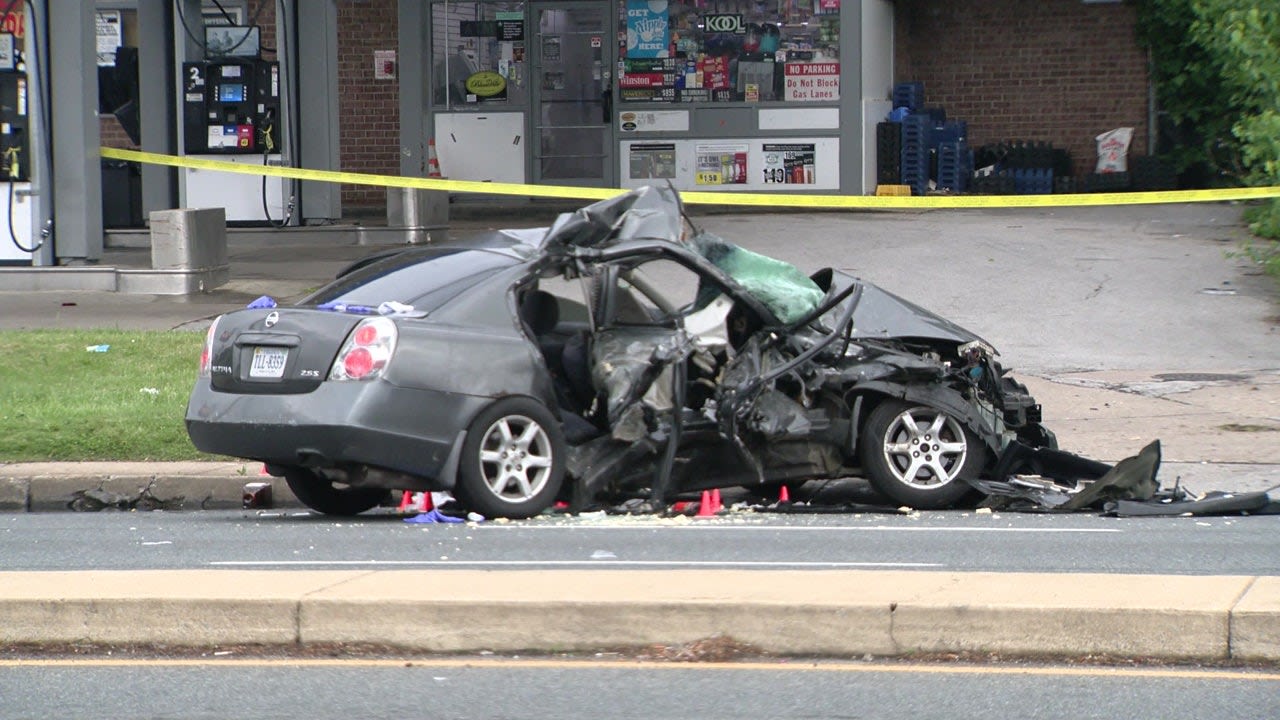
357,363
206,355
366,335
367,350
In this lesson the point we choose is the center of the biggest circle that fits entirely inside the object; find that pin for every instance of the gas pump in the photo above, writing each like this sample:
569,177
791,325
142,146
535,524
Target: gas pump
230,107
17,242
231,112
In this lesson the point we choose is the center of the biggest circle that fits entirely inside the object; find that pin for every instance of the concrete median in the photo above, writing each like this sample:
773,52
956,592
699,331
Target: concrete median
797,613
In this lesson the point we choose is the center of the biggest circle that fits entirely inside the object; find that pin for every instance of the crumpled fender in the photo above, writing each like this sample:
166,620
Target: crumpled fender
943,398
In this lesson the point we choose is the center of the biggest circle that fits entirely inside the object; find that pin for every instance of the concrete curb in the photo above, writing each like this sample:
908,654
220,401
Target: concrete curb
818,613
89,493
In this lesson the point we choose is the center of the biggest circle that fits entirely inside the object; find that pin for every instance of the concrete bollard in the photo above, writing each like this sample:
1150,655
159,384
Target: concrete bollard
417,212
188,239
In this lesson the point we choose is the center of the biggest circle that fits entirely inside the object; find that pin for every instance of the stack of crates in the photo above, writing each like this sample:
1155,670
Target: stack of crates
888,153
1000,182
955,166
1107,182
1033,181
915,152
949,131
1148,172
909,95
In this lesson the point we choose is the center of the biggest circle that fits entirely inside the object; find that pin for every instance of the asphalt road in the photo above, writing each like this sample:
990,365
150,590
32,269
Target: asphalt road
482,688
952,541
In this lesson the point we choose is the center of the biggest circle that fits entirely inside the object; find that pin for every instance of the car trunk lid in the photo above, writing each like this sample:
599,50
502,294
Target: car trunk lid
277,351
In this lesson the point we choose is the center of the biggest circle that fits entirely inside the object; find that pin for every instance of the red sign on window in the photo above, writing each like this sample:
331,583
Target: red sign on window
13,23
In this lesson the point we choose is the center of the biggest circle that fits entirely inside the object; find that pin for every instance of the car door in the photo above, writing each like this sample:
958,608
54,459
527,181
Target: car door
641,310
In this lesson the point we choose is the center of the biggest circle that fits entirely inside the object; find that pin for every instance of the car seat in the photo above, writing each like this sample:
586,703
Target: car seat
566,359
540,312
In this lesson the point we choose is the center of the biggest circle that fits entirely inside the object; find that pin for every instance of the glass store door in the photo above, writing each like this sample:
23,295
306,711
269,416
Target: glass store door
573,94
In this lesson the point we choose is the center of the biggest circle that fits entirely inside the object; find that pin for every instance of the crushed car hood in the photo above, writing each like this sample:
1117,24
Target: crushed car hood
881,314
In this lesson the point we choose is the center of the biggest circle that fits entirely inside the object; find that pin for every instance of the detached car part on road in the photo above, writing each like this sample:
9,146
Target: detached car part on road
609,356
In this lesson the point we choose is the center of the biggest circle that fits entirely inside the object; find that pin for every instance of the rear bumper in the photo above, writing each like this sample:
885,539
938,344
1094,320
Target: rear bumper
339,424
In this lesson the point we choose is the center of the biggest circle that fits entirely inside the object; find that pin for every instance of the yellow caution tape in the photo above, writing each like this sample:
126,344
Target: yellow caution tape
708,198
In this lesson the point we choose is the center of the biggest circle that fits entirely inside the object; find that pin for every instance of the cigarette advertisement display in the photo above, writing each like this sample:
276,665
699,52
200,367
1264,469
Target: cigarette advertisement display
756,164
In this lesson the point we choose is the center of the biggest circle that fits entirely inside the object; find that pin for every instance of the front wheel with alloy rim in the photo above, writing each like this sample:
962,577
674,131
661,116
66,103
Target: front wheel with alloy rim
318,493
512,462
920,456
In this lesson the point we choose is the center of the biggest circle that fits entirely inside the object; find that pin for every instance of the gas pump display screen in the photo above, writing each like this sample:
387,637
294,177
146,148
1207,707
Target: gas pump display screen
231,92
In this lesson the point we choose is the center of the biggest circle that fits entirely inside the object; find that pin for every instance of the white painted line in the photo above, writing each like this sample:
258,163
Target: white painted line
567,563
792,528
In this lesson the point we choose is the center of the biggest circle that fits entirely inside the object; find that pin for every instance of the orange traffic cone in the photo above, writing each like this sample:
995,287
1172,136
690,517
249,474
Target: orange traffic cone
784,495
704,507
715,501
433,162
406,499
263,471
427,505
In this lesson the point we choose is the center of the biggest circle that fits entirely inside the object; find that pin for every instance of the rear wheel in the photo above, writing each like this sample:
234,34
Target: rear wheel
920,456
321,495
512,460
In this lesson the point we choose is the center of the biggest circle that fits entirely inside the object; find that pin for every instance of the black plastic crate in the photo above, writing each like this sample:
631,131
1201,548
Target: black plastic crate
1107,182
1148,173
999,183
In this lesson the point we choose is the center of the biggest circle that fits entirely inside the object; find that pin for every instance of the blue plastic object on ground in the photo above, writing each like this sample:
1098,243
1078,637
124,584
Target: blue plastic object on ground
266,301
433,516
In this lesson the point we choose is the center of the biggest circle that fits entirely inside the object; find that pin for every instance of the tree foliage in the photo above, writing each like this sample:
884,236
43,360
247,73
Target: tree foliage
1216,65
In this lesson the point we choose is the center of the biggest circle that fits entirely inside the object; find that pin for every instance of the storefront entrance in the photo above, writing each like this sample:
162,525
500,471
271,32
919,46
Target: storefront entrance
523,92
572,94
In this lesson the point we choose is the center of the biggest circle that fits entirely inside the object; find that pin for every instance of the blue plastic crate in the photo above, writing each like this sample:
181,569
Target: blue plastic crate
1033,181
955,166
951,131
908,95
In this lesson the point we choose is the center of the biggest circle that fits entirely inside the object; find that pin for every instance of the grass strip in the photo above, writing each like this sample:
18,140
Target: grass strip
60,401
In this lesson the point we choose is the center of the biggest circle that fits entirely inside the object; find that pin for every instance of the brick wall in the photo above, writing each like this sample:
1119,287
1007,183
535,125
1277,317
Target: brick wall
112,135
1054,70
368,109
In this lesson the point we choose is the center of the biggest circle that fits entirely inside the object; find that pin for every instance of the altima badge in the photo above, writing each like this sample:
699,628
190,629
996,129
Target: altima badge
272,319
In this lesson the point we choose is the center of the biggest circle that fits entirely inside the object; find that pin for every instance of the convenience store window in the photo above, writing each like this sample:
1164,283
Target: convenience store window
679,51
478,54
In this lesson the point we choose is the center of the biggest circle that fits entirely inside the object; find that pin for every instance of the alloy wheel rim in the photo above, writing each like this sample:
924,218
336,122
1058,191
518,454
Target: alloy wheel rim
925,448
515,458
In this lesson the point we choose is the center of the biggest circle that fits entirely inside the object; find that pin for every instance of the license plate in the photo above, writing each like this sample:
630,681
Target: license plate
268,362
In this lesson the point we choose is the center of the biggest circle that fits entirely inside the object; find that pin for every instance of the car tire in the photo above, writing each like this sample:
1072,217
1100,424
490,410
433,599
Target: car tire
513,460
321,495
920,456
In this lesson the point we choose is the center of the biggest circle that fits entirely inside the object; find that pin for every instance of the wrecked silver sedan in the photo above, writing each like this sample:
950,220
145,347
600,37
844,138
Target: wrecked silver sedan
618,354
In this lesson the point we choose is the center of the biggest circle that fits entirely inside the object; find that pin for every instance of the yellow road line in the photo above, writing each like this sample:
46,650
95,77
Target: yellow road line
552,664
837,202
